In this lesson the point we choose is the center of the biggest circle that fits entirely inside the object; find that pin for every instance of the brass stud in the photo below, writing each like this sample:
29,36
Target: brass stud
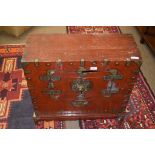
50,72
116,63
128,62
48,64
36,61
29,85
28,78
105,62
129,90
94,63
59,62
82,63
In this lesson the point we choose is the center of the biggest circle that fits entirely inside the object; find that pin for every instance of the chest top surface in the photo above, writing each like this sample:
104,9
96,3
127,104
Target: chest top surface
73,47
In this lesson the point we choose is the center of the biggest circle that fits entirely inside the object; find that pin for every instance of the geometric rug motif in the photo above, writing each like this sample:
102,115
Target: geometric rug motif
140,111
13,86
12,81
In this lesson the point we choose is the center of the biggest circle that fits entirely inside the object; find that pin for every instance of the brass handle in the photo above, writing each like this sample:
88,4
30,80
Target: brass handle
81,85
79,103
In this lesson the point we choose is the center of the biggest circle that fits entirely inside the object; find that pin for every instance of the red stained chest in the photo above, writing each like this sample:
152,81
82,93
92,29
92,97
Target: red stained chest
74,76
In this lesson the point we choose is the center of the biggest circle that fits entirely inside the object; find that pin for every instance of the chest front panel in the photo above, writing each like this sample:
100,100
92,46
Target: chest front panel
94,87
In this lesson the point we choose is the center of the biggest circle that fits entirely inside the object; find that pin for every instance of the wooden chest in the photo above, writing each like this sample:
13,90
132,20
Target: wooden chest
74,76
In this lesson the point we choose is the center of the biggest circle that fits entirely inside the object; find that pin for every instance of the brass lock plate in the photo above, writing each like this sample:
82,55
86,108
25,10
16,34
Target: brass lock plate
79,103
80,85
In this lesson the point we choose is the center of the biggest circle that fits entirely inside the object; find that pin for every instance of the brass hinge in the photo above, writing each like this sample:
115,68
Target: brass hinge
111,85
50,76
113,76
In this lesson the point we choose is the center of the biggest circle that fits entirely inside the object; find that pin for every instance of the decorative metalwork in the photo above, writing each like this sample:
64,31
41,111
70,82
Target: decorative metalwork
116,63
128,62
81,85
111,89
105,62
50,76
94,63
80,103
36,61
48,64
82,63
59,62
28,78
114,75
111,85
80,100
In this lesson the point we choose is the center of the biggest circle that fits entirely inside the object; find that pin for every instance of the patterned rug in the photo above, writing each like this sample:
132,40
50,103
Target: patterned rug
16,109
141,107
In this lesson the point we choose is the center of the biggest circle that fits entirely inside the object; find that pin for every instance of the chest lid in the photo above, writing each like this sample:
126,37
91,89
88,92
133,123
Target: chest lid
74,47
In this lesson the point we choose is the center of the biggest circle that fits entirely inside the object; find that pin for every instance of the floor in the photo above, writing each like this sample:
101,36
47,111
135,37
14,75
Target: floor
148,66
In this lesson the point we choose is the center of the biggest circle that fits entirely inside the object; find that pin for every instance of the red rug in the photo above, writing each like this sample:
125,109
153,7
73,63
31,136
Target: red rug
141,107
12,88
